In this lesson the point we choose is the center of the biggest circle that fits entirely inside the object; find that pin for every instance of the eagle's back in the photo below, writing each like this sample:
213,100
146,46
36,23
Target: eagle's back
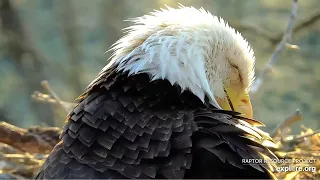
131,127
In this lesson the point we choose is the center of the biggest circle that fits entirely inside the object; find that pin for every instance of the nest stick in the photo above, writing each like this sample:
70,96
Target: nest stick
297,116
32,140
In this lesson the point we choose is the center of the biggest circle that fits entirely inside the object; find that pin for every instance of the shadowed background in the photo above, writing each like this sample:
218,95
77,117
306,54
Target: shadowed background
64,42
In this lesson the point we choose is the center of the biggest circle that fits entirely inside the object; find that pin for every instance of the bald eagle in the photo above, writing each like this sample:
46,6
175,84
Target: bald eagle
172,103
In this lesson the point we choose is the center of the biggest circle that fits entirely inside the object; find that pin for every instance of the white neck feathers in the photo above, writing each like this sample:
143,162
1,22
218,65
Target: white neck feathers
188,47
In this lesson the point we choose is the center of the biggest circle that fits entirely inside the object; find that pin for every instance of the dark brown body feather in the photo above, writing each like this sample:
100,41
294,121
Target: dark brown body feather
129,127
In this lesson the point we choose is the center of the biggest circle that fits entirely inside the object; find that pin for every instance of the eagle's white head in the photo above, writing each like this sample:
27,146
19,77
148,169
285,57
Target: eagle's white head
193,49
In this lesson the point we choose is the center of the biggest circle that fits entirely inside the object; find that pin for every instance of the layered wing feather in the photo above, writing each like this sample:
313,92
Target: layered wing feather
223,140
124,128
128,127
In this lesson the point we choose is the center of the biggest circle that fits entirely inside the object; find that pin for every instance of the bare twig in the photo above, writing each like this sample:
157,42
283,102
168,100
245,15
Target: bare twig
307,22
67,106
304,24
297,116
53,98
46,85
298,138
285,40
308,135
255,30
276,38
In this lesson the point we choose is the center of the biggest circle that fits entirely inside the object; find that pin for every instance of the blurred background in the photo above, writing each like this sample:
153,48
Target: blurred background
64,42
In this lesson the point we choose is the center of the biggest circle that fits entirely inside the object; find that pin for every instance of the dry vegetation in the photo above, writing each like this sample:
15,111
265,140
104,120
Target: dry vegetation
22,151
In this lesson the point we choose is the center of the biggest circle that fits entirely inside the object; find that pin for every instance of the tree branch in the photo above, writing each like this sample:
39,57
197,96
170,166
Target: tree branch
276,38
287,38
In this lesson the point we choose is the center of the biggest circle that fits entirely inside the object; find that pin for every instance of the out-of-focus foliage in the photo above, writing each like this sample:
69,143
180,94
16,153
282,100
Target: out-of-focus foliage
73,35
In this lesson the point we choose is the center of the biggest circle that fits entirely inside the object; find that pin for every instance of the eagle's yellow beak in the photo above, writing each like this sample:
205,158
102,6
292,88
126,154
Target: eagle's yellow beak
240,101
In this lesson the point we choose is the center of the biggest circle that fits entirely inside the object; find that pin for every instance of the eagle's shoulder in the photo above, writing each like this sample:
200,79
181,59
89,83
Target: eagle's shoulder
129,125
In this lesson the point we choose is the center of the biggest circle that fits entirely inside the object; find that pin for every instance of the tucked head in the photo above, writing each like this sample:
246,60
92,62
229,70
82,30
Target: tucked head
192,49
